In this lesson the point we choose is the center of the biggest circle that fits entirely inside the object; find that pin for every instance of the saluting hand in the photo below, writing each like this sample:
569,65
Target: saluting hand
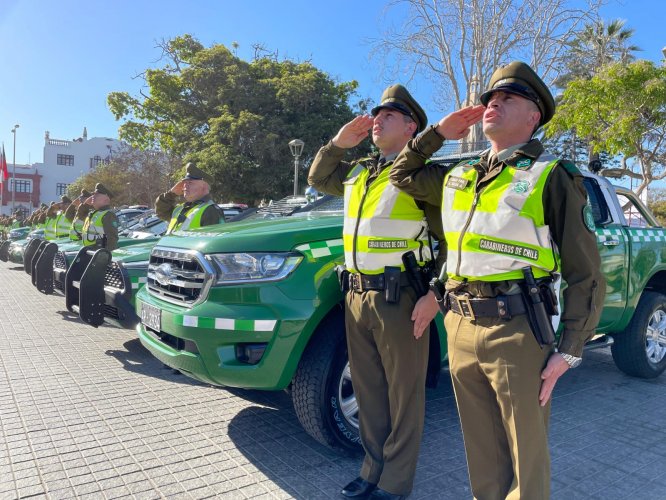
456,125
352,134
555,368
424,311
178,188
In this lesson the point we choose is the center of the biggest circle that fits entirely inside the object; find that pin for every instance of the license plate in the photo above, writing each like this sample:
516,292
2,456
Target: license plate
151,316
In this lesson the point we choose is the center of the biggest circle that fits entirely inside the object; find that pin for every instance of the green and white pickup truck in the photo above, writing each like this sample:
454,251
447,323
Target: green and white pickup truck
257,305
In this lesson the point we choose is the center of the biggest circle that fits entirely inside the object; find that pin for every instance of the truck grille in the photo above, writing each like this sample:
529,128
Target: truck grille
177,276
59,261
114,277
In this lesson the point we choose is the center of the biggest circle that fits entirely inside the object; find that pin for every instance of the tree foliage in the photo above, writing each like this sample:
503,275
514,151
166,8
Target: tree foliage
657,203
621,110
234,118
597,45
135,177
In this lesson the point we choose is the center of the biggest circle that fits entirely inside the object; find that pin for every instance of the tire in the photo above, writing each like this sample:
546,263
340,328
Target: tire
322,392
640,351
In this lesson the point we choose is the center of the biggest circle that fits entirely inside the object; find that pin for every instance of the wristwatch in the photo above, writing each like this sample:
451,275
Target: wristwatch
572,361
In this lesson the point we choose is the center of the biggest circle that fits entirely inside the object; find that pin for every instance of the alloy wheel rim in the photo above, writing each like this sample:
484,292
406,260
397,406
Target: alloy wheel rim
347,398
655,342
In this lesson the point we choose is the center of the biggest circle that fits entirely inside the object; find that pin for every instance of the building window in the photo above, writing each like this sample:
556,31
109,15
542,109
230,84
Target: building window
61,189
66,160
22,185
97,160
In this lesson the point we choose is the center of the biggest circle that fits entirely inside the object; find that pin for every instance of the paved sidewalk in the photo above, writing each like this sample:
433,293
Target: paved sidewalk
88,413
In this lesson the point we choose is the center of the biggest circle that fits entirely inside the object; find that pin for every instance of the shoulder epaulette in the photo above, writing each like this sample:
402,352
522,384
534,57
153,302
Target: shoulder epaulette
570,167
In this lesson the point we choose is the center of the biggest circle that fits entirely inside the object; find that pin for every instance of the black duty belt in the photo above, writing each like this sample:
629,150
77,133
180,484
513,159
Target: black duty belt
502,306
365,282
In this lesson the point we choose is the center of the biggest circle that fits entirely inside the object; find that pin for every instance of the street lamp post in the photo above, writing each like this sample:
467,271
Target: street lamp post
296,148
14,168
129,194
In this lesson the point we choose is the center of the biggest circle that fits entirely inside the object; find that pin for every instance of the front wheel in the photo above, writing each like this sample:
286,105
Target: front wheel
322,390
640,350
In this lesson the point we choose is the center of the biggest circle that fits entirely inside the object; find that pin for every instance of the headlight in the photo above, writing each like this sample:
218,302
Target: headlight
143,264
253,267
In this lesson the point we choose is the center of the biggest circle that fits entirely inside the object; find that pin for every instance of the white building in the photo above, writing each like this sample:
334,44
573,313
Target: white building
66,161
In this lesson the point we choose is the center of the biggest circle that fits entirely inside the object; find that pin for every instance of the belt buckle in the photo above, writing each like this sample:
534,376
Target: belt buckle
465,306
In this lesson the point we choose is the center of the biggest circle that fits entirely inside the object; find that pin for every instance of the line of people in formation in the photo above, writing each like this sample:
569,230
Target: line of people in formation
90,219
513,196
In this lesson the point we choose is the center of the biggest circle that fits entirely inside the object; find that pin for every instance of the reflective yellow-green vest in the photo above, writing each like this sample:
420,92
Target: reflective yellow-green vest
93,229
76,229
381,224
62,225
50,228
190,219
492,234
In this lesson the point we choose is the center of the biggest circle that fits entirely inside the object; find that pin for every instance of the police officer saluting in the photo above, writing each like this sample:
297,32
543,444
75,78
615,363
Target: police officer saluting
388,359
77,213
513,214
62,223
101,225
198,210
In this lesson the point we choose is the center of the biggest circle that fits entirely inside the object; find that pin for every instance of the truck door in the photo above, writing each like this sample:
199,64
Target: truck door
613,248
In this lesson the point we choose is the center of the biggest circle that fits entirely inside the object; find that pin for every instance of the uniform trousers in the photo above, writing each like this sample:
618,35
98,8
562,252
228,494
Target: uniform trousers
496,371
388,369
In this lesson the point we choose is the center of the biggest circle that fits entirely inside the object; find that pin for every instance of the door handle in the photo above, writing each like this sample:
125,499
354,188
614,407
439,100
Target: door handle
611,242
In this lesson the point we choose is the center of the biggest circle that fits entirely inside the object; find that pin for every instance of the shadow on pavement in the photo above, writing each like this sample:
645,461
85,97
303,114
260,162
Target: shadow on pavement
275,443
70,316
137,359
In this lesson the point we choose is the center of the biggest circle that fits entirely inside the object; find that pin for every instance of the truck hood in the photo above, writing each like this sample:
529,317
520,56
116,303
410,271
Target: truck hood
265,235
134,253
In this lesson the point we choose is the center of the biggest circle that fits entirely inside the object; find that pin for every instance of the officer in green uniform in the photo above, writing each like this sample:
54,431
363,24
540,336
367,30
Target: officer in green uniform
388,359
197,210
101,225
512,209
79,211
62,224
50,221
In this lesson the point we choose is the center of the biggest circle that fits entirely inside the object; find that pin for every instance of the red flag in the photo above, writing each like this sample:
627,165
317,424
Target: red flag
4,174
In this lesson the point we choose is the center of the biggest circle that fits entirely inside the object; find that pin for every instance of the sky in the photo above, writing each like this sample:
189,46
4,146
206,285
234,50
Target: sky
60,59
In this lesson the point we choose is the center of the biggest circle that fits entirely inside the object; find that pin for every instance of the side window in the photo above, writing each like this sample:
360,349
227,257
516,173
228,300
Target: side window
599,208
632,213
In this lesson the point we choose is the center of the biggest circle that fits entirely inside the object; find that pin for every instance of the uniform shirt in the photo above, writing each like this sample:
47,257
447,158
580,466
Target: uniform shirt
110,225
167,202
563,201
70,212
329,171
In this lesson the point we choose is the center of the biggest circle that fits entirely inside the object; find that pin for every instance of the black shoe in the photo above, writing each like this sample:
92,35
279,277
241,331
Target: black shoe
385,495
358,488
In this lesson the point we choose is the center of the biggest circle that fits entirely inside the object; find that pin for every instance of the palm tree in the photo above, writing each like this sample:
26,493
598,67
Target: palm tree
597,45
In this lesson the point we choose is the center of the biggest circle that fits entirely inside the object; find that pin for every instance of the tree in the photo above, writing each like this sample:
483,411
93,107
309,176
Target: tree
622,110
135,177
657,203
234,118
459,44
596,46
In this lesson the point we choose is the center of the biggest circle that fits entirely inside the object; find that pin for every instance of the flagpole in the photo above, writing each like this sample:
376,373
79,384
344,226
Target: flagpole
14,169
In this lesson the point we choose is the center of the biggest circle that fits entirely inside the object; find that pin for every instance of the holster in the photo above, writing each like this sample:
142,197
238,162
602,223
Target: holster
343,278
540,321
392,284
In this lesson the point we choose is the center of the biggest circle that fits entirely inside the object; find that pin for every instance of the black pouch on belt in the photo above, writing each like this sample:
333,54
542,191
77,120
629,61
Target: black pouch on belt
392,284
343,278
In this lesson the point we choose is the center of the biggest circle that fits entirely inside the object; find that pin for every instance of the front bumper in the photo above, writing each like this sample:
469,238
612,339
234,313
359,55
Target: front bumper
207,342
